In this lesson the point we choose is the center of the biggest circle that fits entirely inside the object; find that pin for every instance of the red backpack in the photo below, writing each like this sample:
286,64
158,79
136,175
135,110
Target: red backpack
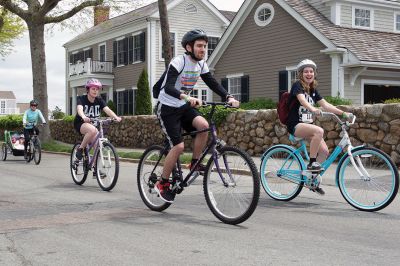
283,107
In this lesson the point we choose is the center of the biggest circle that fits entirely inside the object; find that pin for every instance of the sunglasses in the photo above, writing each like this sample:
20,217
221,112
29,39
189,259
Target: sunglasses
33,105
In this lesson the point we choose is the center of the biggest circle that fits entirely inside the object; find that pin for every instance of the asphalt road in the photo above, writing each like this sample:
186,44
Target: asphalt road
45,219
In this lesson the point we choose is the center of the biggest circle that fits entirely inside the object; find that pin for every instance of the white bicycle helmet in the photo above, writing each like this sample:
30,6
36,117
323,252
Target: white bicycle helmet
306,63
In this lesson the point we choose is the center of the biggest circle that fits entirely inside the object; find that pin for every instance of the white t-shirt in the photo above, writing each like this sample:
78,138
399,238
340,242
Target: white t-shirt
185,81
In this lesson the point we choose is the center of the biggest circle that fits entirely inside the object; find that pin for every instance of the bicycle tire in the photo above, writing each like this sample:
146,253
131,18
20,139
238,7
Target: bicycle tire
107,182
223,199
79,170
272,181
147,175
4,152
29,152
37,152
356,189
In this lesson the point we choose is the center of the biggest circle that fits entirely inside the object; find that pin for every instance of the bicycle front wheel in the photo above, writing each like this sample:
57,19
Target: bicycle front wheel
29,152
37,153
149,172
281,173
374,185
79,170
107,167
4,151
231,185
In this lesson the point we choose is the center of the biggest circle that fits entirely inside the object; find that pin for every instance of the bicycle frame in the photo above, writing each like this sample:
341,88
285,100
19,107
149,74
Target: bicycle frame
345,142
212,146
97,143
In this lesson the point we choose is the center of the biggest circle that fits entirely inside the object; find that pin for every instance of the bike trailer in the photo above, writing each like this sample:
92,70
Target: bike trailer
15,141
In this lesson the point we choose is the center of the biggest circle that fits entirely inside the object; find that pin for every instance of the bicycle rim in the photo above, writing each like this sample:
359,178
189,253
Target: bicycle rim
37,154
377,188
148,174
280,174
107,168
78,169
235,200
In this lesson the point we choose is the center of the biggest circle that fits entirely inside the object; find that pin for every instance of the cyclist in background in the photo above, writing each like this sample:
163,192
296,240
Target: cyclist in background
29,121
304,93
90,106
175,109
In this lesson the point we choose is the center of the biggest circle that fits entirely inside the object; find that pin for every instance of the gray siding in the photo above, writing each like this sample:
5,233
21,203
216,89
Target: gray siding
321,7
346,15
384,20
261,52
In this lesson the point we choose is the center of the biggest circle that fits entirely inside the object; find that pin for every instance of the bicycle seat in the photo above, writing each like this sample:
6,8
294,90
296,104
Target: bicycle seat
294,139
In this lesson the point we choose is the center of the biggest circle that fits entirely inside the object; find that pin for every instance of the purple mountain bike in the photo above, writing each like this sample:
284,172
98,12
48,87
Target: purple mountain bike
231,182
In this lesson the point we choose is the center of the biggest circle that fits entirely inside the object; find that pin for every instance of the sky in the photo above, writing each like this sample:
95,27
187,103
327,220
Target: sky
16,71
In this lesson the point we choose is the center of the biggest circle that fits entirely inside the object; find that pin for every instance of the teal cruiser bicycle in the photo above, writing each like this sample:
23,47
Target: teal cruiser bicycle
367,177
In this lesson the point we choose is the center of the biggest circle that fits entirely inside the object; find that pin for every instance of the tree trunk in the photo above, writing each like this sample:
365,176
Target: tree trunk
166,44
38,58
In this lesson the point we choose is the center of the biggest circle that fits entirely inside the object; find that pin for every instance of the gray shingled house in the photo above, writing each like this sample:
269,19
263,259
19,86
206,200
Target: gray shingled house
116,50
356,45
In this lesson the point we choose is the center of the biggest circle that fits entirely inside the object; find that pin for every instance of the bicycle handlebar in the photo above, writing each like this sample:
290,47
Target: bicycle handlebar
338,119
225,104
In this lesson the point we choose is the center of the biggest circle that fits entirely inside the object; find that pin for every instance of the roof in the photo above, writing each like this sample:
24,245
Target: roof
23,106
366,45
7,95
137,14
230,15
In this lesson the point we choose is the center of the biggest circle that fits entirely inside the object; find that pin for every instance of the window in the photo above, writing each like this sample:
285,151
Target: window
195,94
362,17
234,87
87,54
124,99
172,41
121,52
2,107
191,8
102,53
264,14
397,22
212,44
138,47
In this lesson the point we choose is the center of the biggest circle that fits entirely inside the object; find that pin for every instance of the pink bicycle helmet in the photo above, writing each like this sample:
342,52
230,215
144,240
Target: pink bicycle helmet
93,83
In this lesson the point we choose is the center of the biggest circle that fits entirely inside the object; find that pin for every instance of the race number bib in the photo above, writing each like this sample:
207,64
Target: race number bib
307,118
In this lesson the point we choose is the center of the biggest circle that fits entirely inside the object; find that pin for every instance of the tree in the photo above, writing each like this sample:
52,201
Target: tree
165,35
11,27
143,97
57,113
36,15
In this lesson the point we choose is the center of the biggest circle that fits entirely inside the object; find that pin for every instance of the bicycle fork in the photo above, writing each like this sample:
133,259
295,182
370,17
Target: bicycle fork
358,166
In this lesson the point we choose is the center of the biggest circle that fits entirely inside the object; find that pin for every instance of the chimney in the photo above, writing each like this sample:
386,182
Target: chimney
101,14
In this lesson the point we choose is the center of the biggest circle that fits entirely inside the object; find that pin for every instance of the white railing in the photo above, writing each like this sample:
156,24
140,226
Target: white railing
90,66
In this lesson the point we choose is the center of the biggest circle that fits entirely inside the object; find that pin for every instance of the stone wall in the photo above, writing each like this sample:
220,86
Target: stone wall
377,125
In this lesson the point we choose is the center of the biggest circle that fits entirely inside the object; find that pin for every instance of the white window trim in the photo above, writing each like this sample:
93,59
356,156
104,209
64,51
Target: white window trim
160,45
236,75
353,17
375,82
264,23
212,36
105,51
188,5
133,35
289,80
117,40
119,90
395,19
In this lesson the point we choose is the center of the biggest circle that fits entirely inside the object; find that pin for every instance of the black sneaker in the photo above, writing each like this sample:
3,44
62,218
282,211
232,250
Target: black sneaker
102,174
200,167
164,192
314,167
318,190
79,154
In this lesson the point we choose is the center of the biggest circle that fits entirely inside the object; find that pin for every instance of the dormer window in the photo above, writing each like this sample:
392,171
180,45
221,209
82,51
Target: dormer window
397,22
191,9
362,18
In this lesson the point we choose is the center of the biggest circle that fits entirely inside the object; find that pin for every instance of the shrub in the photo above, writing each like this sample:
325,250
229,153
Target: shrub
337,100
143,97
259,103
11,121
220,113
69,118
393,100
57,113
110,105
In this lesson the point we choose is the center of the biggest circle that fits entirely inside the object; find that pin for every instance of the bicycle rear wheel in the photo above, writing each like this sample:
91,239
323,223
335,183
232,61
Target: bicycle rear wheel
107,167
378,185
149,171
232,189
37,152
280,173
79,170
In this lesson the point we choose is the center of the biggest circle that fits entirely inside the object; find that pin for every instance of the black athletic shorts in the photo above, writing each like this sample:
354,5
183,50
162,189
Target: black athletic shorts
173,119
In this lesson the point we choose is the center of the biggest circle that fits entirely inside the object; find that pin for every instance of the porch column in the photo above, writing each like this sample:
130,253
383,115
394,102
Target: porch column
73,95
111,94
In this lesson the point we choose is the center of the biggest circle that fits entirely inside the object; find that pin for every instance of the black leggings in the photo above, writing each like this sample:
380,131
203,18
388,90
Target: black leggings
28,133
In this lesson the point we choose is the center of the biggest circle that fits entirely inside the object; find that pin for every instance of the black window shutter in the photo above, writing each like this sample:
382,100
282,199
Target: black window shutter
125,51
224,83
71,59
130,97
91,53
130,49
283,82
143,46
115,53
245,89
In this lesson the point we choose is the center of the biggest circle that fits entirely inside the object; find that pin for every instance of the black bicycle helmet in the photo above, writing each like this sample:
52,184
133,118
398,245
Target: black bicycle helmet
190,37
33,102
